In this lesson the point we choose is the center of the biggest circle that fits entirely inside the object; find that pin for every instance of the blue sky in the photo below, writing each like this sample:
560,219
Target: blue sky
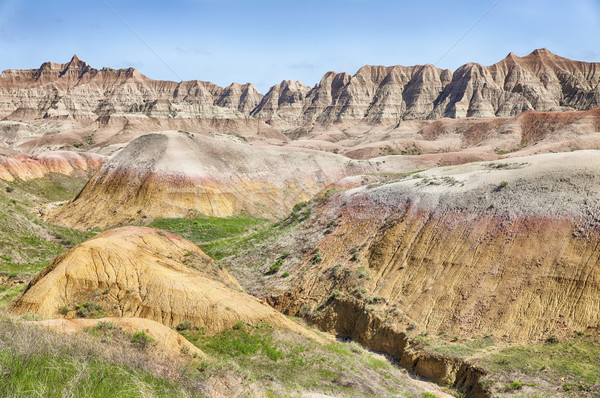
264,41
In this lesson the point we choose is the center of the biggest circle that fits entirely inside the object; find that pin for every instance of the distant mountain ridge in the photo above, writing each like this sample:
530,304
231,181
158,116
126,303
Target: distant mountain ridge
540,81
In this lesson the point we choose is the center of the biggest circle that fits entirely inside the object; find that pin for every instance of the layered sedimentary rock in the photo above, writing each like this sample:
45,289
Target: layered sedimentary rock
79,92
173,174
506,248
26,167
145,273
540,81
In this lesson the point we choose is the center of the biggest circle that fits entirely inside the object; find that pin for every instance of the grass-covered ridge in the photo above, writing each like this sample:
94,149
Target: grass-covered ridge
27,243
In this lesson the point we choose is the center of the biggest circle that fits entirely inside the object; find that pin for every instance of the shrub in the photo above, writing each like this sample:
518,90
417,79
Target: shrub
515,385
273,269
552,339
103,325
316,258
238,326
185,325
89,310
503,184
354,252
362,273
285,274
63,310
141,340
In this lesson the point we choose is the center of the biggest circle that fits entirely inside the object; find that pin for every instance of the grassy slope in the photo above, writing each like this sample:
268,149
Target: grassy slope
28,244
39,363
286,364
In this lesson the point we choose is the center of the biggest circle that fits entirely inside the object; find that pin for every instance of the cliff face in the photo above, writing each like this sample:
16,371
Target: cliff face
375,94
501,248
76,90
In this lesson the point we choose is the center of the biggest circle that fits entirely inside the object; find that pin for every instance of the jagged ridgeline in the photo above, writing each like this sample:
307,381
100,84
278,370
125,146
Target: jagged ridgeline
540,81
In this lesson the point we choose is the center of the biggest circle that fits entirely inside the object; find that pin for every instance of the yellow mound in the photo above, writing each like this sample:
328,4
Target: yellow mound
146,273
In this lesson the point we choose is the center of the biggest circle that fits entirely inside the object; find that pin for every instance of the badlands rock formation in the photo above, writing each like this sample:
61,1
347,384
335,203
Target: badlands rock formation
175,174
506,248
118,105
145,273
25,167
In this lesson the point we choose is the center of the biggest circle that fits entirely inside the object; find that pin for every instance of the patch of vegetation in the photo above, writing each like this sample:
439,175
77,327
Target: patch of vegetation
463,349
411,150
39,363
521,145
89,309
316,258
205,229
278,359
576,359
27,243
141,340
515,385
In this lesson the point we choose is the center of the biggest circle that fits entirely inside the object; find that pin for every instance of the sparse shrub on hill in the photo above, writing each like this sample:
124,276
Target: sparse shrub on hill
89,310
141,339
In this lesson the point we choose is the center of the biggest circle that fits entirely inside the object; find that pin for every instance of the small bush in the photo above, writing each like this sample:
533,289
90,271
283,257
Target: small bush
63,310
185,325
354,252
273,269
141,340
285,274
103,325
238,326
515,385
503,184
362,273
552,339
316,258
428,395
89,310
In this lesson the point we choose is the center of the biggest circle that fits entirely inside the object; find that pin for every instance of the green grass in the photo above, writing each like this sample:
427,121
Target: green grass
39,363
205,229
223,237
275,358
212,234
27,243
577,359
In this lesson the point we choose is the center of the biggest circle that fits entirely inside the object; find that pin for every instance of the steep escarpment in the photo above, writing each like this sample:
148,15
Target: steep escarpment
99,99
144,273
173,174
502,248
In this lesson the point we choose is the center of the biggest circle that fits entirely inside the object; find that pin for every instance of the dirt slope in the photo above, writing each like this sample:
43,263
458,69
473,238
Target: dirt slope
146,273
